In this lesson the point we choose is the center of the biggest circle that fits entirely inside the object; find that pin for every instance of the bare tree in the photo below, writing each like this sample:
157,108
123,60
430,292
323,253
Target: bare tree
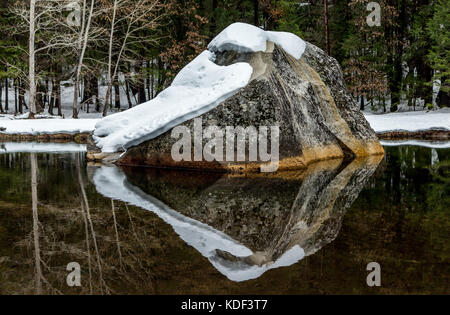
133,17
117,233
47,30
34,198
83,36
85,207
31,65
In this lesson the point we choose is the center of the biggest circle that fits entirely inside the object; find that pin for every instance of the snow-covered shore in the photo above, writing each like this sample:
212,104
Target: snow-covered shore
38,147
410,121
418,143
46,126
381,123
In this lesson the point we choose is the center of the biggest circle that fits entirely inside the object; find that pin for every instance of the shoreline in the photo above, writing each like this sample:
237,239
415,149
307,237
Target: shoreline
430,135
82,138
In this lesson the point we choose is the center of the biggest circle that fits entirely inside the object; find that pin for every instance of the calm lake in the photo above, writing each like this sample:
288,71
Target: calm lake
149,231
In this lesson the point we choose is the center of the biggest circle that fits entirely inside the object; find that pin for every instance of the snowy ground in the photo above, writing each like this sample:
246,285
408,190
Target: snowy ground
410,121
37,147
47,126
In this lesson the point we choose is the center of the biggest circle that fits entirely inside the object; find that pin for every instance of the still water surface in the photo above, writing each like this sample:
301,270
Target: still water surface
147,231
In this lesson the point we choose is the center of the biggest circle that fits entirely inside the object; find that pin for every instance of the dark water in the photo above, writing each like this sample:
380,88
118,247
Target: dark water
150,231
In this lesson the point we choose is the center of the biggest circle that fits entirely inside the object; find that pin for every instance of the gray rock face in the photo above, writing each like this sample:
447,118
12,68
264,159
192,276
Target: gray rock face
306,98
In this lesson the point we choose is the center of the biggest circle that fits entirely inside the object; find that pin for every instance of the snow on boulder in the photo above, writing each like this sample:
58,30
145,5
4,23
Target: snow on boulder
198,87
242,37
247,78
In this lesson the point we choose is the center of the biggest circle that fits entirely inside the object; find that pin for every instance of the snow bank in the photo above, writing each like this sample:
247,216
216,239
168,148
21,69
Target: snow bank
36,147
47,126
243,37
410,121
198,88
27,115
111,182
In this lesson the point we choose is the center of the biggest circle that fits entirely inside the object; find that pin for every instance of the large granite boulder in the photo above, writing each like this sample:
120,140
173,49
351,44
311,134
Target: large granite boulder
306,98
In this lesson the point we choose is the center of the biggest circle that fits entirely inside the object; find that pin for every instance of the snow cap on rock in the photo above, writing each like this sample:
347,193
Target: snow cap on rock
242,37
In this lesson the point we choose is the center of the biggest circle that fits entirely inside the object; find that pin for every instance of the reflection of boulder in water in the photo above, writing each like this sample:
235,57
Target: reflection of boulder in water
265,221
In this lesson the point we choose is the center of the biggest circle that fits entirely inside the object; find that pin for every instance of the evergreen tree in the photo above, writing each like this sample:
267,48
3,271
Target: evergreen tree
439,55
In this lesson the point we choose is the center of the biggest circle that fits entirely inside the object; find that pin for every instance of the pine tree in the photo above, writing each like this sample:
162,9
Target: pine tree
439,31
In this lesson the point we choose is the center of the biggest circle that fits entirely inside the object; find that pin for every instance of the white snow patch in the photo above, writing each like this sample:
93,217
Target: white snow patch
410,121
242,37
420,143
198,88
27,115
239,271
37,147
47,126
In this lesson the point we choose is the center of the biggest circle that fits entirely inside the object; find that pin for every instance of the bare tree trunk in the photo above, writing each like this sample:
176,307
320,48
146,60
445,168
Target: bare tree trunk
86,233
148,80
6,94
117,95
19,88
76,87
40,101
127,87
46,95
22,93
51,103
58,97
34,200
89,219
31,65
1,92
110,79
15,96
84,35
117,233
96,99
152,81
